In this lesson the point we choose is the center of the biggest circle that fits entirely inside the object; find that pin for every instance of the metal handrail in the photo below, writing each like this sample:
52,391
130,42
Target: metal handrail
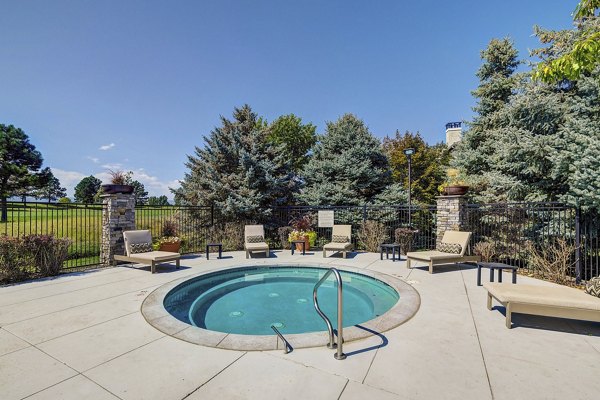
287,347
339,355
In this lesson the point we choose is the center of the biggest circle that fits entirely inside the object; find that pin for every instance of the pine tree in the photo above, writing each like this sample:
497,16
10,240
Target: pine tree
497,84
238,171
347,166
52,190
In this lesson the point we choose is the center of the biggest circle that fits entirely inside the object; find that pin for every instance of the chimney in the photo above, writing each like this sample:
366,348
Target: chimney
453,133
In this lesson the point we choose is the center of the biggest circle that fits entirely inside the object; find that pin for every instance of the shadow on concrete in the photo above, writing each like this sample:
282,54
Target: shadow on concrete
384,342
577,327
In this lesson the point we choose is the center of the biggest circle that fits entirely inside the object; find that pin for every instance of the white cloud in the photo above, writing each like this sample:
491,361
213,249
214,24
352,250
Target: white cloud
113,167
153,185
106,146
93,159
68,179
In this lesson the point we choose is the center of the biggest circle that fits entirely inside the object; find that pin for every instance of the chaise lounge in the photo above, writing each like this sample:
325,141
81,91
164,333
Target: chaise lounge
448,251
549,301
341,240
138,246
254,240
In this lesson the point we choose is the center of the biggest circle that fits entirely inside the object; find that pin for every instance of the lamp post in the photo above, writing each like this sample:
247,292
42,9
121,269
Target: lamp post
408,153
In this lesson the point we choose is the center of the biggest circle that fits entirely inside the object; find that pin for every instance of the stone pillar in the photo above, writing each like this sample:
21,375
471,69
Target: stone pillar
450,215
118,215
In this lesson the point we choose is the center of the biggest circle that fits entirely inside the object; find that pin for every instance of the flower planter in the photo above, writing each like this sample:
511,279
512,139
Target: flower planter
306,244
113,189
457,190
171,247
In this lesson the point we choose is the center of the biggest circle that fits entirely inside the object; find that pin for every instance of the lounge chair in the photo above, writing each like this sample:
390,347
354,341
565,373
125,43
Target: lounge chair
436,257
341,240
254,240
549,301
133,238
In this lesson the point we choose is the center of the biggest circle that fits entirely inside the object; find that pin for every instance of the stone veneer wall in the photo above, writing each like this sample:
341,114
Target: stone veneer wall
118,215
451,215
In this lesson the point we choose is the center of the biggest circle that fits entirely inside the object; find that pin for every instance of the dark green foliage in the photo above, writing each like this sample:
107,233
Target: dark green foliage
51,190
86,189
20,165
297,139
347,167
428,165
158,201
140,193
238,170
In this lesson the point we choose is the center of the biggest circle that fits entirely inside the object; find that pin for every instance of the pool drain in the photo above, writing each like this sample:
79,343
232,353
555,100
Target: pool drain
278,325
301,301
235,314
273,294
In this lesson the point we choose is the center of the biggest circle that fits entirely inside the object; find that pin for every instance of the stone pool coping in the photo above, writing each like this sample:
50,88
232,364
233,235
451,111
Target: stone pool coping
156,315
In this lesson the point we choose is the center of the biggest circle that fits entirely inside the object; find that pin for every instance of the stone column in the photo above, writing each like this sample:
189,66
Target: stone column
451,215
118,215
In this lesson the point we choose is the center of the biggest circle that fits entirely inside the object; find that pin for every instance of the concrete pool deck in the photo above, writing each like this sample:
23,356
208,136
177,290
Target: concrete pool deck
82,336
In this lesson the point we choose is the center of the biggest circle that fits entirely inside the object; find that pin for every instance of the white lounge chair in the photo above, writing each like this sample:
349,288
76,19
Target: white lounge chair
254,240
549,301
436,257
148,257
341,236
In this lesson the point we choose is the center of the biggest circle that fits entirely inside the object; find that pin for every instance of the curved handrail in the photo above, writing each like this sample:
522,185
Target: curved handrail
339,355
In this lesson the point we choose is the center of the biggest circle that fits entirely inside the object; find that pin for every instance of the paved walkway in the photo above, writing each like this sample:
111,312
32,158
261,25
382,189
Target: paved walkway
82,336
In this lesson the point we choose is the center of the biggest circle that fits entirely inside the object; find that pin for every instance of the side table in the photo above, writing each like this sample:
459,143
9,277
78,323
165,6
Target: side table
209,245
293,246
387,247
496,266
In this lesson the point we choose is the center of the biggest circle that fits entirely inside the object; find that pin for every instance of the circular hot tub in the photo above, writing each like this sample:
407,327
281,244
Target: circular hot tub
236,307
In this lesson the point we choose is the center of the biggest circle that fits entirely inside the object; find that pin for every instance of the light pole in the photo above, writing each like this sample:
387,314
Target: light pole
409,152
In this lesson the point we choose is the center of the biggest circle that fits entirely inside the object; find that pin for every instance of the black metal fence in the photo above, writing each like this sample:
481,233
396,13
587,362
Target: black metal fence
200,225
82,223
512,227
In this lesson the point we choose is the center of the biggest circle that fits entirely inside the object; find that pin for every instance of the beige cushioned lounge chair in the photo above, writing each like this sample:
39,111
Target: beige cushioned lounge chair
435,257
260,247
149,258
549,301
340,230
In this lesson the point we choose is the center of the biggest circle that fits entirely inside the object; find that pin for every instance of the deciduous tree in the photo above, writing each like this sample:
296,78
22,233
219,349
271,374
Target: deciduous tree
297,139
86,189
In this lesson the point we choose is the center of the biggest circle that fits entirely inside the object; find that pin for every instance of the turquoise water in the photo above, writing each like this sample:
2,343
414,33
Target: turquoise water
250,300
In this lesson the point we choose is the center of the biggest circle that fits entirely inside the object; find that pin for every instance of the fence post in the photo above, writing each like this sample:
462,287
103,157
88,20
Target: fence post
451,214
118,215
364,213
212,214
577,245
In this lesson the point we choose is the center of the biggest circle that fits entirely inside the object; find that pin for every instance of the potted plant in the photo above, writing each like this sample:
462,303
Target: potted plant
169,240
454,184
302,231
119,183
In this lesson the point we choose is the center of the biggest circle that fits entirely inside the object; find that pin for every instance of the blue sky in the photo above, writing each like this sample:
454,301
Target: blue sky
135,85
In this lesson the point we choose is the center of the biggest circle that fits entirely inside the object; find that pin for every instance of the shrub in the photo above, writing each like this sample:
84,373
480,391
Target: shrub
48,252
553,259
169,228
284,233
405,237
371,235
31,256
486,250
230,234
12,259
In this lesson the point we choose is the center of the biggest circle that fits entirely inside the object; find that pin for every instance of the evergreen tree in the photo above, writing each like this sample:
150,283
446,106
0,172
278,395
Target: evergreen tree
498,83
238,170
20,165
139,191
51,190
347,166
86,189
297,139
427,165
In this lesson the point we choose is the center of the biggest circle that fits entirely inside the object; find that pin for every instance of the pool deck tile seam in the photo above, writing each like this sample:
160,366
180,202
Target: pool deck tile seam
214,376
485,367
